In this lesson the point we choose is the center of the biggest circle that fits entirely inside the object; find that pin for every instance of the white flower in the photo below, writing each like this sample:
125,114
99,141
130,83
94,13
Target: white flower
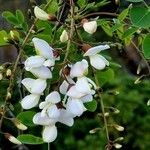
43,120
30,101
64,36
66,117
40,14
90,26
49,133
35,86
41,72
96,60
42,48
34,62
75,107
49,105
79,69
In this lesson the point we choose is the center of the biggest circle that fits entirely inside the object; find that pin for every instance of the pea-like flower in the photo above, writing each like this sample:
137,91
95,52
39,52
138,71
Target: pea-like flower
97,60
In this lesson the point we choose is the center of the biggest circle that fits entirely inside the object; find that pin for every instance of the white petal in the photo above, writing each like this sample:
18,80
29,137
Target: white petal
75,106
90,27
28,82
82,85
40,14
42,105
96,49
39,120
38,86
66,117
53,97
30,101
49,63
97,62
79,69
34,61
92,83
42,48
41,72
105,60
87,98
64,36
53,112
49,133
74,93
64,87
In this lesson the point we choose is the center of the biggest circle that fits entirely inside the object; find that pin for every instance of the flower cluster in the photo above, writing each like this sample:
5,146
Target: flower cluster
75,90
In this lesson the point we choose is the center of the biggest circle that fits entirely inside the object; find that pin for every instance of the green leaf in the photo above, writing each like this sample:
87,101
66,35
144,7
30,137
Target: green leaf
10,17
129,32
91,106
26,117
19,16
105,76
140,16
53,7
146,46
2,35
81,3
30,139
116,27
123,14
135,1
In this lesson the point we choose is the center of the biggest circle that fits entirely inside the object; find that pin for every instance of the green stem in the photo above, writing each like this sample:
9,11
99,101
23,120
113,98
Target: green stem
102,106
48,146
71,30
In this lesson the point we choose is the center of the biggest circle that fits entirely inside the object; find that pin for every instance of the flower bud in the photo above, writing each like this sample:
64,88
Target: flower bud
94,130
1,68
148,103
86,47
8,72
13,36
19,125
89,26
119,128
1,76
42,15
117,145
12,139
64,36
119,139
8,96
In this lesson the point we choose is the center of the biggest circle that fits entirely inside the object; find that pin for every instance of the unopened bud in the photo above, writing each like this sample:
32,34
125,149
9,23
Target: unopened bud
64,36
94,130
118,127
89,26
1,68
42,15
138,69
1,76
8,96
19,125
86,47
117,145
13,36
8,72
148,103
12,139
119,139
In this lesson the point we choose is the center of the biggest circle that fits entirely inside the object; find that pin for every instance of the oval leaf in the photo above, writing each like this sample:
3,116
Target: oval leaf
91,106
146,46
26,118
30,139
140,16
